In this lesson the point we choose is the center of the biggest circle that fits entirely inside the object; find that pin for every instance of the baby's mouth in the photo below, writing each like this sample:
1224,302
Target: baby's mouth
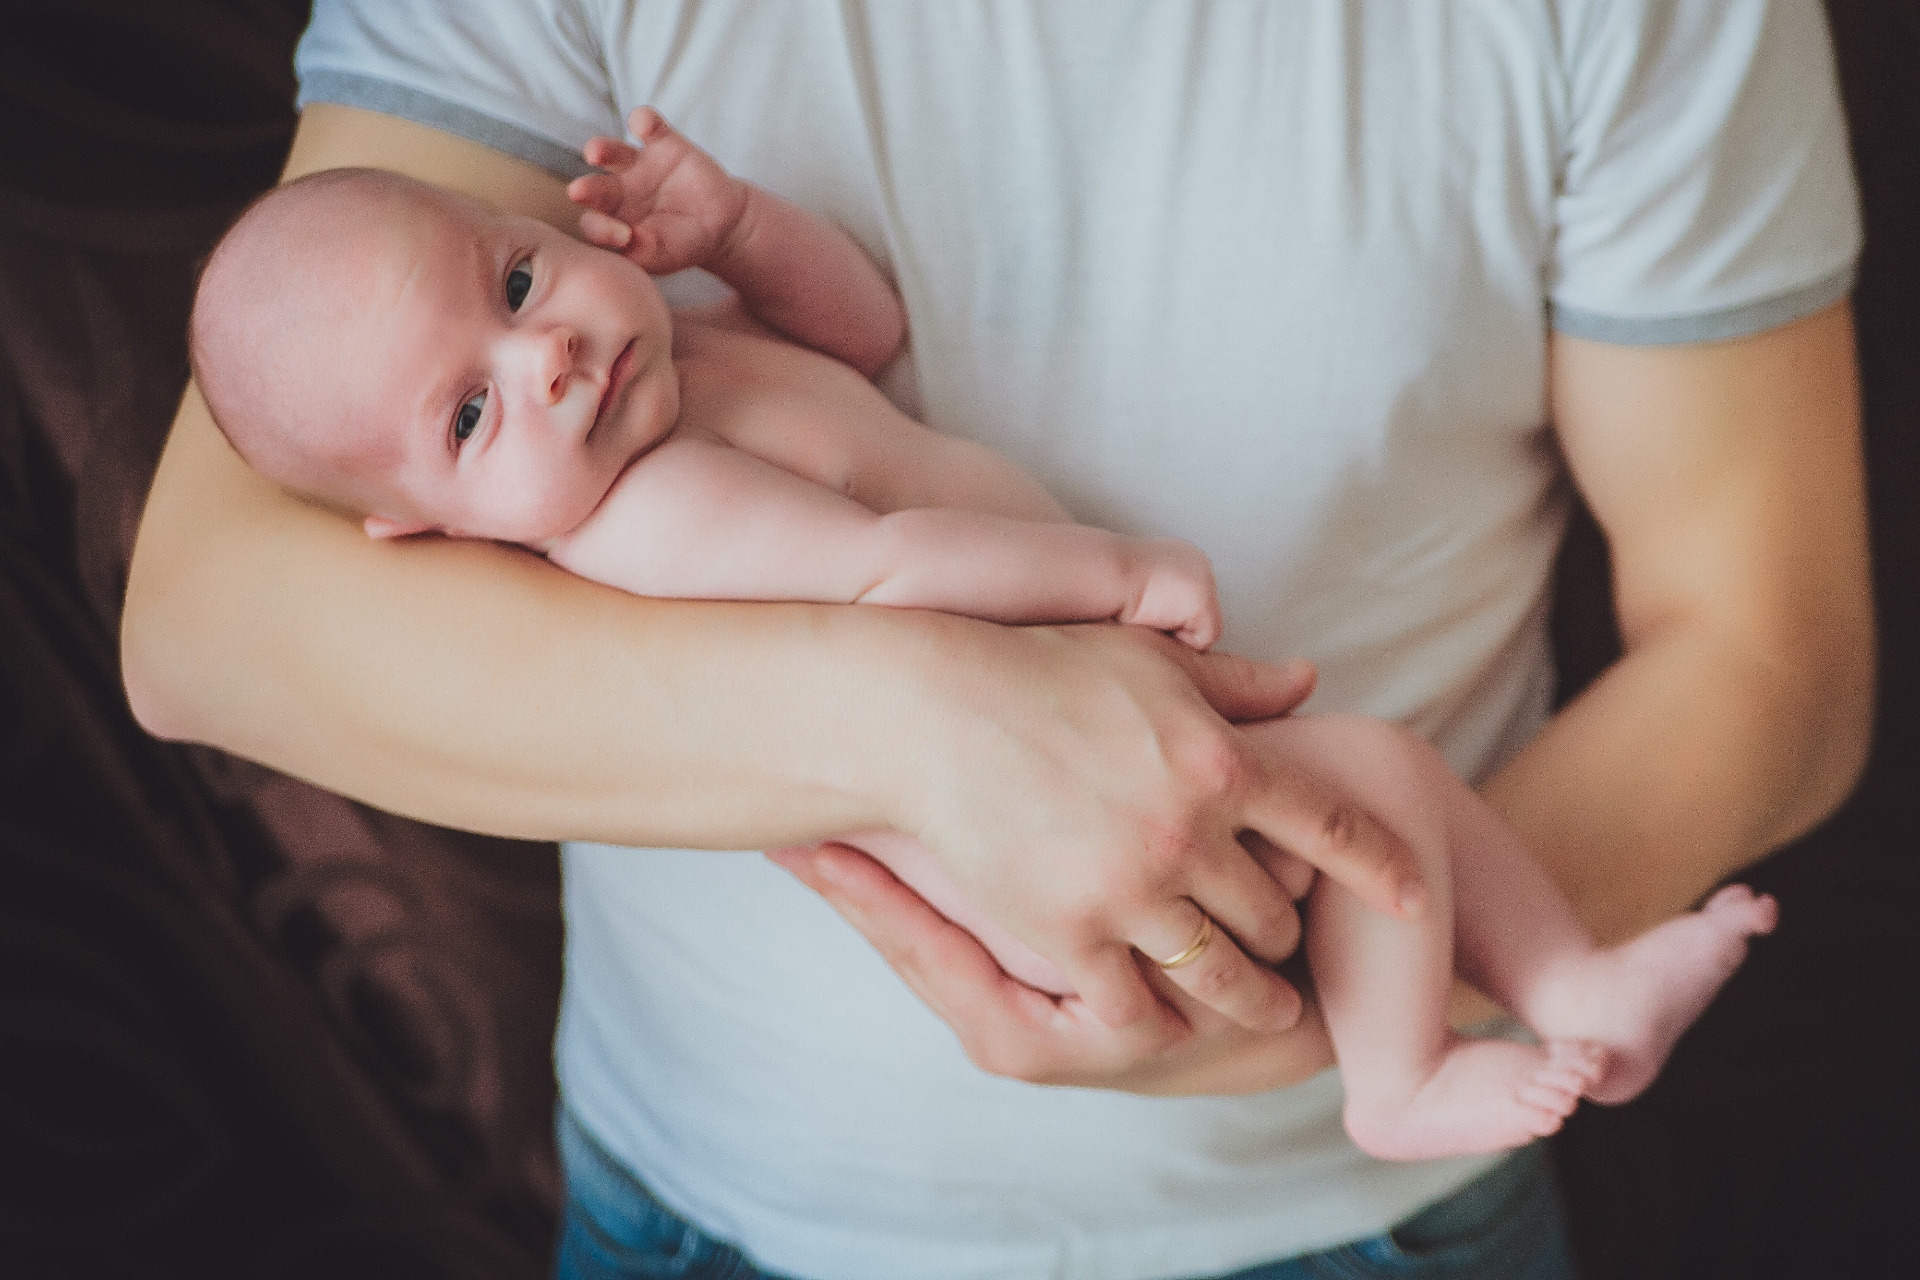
616,376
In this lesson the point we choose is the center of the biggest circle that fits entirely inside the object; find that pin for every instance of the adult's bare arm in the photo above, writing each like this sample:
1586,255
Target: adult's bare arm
1727,477
1075,781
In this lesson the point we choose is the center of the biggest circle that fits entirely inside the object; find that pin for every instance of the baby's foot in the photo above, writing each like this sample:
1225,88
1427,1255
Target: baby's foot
1637,998
1487,1095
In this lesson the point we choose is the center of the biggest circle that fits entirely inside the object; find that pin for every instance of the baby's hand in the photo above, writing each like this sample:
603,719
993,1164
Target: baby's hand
666,204
1177,592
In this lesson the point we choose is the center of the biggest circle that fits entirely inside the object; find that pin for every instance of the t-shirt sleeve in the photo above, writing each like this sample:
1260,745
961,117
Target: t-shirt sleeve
1707,189
526,79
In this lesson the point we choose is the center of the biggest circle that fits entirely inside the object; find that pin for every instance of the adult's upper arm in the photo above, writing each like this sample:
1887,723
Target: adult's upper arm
1702,385
332,136
1702,372
1728,479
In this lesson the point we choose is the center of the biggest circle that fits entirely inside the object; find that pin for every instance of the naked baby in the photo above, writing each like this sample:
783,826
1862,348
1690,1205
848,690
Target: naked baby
388,349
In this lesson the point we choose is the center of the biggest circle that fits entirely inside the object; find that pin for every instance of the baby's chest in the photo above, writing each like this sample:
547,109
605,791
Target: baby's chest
784,404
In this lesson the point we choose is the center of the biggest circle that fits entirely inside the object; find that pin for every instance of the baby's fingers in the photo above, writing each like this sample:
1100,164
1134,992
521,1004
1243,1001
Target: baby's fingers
646,124
608,233
610,153
600,191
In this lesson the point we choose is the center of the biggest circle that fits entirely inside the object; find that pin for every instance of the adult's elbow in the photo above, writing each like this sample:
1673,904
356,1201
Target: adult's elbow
168,659
1850,732
150,672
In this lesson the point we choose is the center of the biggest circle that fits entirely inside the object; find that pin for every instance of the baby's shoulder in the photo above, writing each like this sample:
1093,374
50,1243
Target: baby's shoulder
728,361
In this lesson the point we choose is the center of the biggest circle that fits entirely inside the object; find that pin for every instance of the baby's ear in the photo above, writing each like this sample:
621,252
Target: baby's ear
382,527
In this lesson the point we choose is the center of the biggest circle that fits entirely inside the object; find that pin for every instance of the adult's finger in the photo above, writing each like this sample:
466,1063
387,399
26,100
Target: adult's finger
1320,824
1211,967
1006,1027
1295,875
1243,897
1241,689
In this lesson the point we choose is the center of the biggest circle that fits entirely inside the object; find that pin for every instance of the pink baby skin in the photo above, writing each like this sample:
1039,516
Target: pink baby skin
431,366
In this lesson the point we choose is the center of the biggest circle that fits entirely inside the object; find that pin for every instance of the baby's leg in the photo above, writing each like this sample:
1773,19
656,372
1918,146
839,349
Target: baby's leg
1517,939
1415,1088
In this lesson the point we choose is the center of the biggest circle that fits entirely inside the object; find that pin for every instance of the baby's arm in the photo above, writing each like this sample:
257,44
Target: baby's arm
699,519
669,205
822,421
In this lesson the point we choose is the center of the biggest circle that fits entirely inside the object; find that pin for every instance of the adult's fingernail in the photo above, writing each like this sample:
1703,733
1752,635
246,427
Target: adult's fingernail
1413,899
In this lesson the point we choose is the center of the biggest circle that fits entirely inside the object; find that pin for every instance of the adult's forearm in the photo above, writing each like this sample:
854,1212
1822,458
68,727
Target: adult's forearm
1687,761
476,686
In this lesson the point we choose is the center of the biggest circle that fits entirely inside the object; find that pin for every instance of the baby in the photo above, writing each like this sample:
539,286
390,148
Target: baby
389,349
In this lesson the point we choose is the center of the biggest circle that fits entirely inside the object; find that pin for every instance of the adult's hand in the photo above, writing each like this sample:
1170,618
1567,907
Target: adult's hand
1012,1030
1084,787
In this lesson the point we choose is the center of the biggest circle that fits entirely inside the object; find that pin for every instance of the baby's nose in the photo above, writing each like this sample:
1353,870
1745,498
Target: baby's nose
552,360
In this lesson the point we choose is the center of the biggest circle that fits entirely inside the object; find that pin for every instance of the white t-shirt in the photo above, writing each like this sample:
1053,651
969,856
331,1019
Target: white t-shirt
1275,278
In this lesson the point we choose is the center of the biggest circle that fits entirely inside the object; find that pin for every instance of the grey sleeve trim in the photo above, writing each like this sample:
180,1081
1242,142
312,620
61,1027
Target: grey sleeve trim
351,90
1703,326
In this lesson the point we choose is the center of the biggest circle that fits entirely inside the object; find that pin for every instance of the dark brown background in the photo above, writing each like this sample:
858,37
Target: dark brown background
249,1029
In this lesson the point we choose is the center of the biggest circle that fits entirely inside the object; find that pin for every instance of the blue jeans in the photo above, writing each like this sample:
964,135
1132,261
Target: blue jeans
1505,1225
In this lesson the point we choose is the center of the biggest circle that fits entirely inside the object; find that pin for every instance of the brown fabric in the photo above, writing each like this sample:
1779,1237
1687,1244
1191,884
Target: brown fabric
247,1028
1783,1139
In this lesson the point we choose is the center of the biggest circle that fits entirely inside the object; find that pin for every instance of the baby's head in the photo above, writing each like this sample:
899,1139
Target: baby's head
392,350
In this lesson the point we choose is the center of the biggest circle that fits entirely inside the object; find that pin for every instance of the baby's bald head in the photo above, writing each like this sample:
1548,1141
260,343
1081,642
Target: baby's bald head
277,303
401,353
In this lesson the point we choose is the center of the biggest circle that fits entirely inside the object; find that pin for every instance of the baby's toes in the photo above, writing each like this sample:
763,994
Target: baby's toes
1580,1062
1553,1090
1741,909
1546,1108
1545,1090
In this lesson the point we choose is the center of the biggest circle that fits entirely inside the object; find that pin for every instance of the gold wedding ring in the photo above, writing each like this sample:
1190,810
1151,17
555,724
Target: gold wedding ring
1191,952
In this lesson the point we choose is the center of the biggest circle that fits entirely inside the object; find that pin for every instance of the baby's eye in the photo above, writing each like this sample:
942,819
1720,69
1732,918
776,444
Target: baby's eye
519,280
468,419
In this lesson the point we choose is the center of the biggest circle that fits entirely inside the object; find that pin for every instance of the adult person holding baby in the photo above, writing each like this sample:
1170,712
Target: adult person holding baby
1226,274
